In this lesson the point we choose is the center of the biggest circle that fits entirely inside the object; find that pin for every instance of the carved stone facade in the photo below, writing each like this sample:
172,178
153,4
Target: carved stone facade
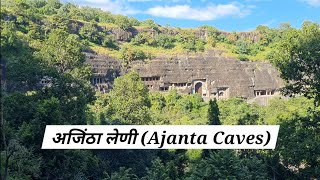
105,70
211,77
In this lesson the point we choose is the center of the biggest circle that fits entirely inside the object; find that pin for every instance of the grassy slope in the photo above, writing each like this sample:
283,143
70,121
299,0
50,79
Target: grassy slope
226,48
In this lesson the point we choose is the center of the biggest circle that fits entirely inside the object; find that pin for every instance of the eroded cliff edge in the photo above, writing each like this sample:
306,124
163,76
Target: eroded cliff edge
211,77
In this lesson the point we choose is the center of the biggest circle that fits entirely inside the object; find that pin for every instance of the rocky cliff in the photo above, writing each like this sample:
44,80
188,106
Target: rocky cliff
211,77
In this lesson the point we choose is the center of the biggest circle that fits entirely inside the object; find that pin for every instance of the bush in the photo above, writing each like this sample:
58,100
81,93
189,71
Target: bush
106,17
150,24
221,38
134,22
90,32
243,57
194,44
212,41
109,41
164,41
139,39
255,49
129,54
123,22
143,38
200,45
242,47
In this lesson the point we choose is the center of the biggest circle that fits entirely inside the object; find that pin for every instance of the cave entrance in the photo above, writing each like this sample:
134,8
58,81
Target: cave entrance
198,88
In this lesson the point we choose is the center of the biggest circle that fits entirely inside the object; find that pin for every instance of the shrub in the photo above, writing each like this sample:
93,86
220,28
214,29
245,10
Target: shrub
243,57
90,32
164,41
109,41
150,24
194,44
129,54
123,22
242,47
139,39
212,41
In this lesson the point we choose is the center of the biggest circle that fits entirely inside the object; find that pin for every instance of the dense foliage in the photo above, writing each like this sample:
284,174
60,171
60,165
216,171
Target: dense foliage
107,33
297,58
47,83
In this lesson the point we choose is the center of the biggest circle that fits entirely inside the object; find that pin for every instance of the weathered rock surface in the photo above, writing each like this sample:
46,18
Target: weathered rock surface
211,77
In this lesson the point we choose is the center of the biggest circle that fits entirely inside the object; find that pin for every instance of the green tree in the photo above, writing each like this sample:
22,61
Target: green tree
284,26
164,41
139,39
193,44
123,22
242,47
264,33
133,21
129,100
299,145
35,31
52,7
67,10
158,101
143,38
106,17
109,41
297,58
20,162
9,38
122,174
236,111
98,111
129,54
90,31
157,171
213,119
55,22
62,51
212,41
172,98
37,3
149,23
226,164
22,69
213,113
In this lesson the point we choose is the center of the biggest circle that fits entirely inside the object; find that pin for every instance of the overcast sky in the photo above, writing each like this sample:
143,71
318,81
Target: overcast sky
241,15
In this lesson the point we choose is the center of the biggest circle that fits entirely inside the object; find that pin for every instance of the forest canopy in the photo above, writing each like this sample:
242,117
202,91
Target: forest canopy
47,83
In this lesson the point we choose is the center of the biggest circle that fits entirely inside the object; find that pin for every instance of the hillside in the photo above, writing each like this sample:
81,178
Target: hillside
127,38
46,47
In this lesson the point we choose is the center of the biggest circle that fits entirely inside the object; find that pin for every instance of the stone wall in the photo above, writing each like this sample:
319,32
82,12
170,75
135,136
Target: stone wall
105,70
211,77
220,77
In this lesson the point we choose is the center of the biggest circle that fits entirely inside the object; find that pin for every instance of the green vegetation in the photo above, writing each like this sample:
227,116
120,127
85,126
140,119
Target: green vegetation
107,33
213,113
129,99
129,54
43,40
227,164
297,58
164,41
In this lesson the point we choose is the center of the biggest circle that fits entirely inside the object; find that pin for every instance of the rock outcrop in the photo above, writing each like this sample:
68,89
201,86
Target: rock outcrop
211,77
